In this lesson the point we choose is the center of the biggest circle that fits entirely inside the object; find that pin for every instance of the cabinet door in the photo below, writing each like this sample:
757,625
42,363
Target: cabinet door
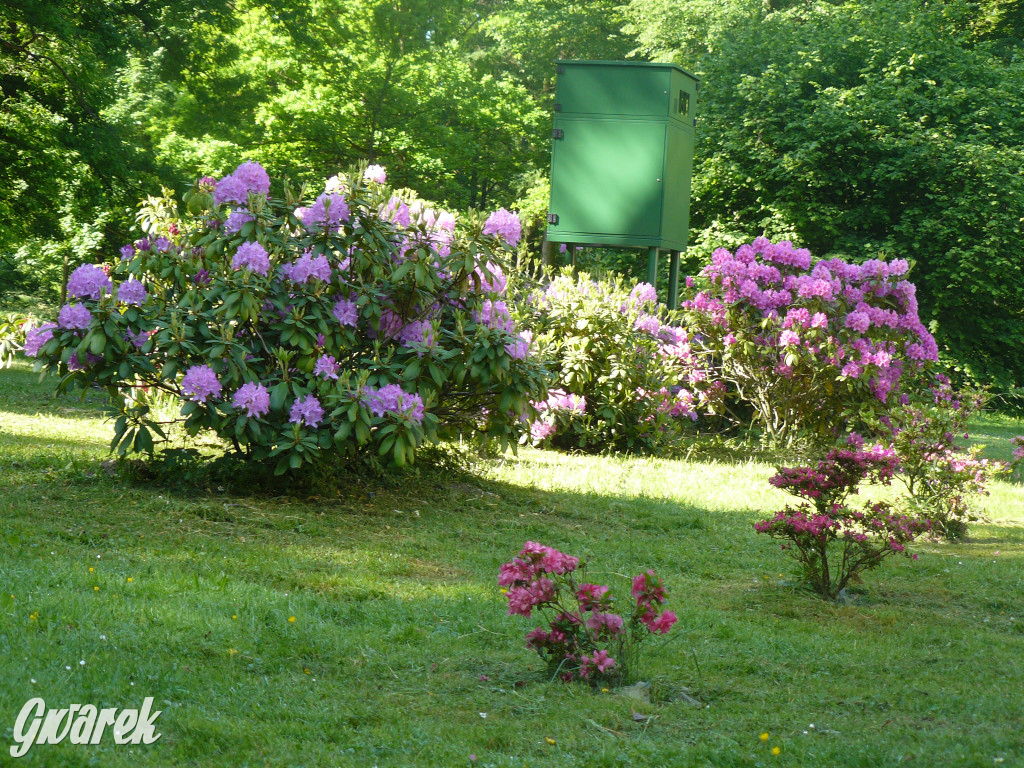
606,177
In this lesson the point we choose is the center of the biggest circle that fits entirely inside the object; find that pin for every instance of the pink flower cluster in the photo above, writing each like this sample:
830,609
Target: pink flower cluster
505,225
560,400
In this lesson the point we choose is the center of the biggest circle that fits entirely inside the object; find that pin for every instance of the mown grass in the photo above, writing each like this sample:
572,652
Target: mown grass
401,654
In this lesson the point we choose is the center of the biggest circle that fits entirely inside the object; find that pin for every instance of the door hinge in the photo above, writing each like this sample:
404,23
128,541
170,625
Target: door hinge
552,218
558,133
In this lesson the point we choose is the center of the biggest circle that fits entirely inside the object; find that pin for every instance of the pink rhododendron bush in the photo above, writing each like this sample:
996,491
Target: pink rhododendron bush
625,377
583,635
347,322
833,540
809,347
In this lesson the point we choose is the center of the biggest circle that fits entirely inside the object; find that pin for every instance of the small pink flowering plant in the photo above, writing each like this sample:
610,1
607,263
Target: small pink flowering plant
584,637
833,541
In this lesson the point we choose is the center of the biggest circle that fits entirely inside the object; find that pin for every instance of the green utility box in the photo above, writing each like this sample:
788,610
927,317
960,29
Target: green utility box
622,155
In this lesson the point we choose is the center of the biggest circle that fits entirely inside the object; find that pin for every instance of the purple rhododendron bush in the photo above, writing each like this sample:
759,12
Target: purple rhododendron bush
352,322
625,375
810,347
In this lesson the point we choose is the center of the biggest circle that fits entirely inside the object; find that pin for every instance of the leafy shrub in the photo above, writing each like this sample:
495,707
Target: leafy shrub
807,346
1018,454
626,378
938,474
584,638
358,324
833,542
12,336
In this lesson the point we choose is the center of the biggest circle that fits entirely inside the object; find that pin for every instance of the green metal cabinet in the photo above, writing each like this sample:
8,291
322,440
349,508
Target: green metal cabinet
622,154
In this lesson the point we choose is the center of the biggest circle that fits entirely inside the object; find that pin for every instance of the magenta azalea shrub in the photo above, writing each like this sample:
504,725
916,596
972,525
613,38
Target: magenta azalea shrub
625,376
833,541
583,635
351,322
807,345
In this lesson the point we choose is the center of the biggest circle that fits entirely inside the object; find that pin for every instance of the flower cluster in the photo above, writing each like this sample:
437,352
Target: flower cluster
505,225
247,178
583,630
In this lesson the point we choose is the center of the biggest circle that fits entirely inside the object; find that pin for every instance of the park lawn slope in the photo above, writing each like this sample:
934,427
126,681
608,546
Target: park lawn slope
401,653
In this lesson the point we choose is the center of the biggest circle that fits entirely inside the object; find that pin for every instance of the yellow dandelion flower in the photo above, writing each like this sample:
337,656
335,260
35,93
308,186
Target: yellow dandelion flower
604,690
764,736
550,741
96,589
91,569
776,750
232,651
306,670
129,579
291,619
234,616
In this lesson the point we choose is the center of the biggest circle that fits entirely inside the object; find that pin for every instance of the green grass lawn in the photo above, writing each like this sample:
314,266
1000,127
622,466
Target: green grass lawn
400,652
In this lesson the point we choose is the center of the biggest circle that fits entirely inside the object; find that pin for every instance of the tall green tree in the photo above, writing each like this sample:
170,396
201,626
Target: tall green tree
866,128
71,162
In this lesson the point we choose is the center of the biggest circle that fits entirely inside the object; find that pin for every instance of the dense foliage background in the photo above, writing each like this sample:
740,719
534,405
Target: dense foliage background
854,128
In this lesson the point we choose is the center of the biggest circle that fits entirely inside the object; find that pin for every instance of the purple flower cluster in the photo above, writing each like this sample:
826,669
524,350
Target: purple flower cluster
200,383
236,220
246,178
492,279
74,316
328,211
307,268
392,400
252,256
505,225
306,410
253,399
131,291
643,293
88,282
397,212
347,312
326,367
494,314
36,337
417,332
